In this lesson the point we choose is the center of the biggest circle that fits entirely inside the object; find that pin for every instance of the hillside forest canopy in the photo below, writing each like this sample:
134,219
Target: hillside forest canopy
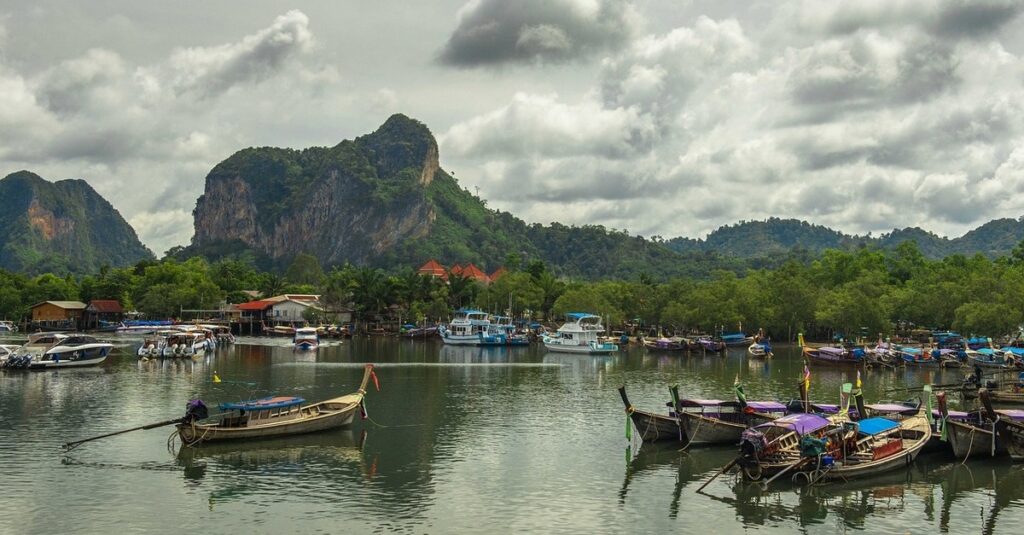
868,290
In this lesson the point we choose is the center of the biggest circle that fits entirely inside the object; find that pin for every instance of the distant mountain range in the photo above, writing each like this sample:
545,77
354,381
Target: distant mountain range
383,199
774,236
62,227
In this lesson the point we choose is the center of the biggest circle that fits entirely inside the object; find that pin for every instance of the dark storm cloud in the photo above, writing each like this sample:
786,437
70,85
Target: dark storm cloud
494,32
975,18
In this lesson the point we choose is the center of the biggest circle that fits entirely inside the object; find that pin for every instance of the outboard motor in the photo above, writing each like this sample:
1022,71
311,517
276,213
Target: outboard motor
195,410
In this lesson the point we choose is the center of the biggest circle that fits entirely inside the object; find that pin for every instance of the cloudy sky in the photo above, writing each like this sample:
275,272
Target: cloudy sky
661,117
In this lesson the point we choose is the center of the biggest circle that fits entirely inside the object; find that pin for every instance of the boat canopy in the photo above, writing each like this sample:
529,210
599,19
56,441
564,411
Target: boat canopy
953,415
766,406
832,350
889,407
801,424
705,403
279,402
876,426
1013,414
580,315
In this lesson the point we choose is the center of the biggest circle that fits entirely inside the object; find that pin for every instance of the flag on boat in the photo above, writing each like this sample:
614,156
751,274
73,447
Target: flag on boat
807,379
858,380
740,395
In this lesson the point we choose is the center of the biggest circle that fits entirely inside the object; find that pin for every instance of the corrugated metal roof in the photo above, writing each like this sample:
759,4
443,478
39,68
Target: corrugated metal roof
66,305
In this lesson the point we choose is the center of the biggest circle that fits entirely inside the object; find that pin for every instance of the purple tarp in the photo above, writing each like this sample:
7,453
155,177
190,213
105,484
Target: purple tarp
1013,414
766,406
888,407
800,423
956,415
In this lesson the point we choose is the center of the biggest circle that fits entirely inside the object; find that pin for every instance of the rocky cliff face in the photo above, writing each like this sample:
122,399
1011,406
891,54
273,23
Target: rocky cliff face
347,203
62,226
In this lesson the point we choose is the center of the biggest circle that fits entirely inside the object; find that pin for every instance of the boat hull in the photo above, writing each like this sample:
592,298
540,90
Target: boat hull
972,441
592,349
702,430
343,416
656,427
1011,434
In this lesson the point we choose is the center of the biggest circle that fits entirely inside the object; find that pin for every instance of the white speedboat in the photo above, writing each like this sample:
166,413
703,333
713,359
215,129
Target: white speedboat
154,344
185,344
468,328
6,351
306,338
7,327
57,350
579,334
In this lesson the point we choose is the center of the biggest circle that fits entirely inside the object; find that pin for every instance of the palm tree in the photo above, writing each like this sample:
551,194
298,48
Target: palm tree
273,284
461,290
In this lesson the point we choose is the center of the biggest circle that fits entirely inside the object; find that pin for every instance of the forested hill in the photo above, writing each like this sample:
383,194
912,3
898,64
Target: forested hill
383,200
62,227
774,237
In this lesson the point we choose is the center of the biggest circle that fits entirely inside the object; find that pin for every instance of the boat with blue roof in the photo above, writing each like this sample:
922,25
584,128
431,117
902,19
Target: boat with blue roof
579,334
274,416
467,328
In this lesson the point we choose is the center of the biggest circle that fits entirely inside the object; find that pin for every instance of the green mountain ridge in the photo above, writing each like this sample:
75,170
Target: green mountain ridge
775,236
62,227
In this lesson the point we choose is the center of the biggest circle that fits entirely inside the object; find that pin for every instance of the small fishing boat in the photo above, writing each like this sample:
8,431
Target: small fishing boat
154,345
502,332
1008,426
8,327
707,343
921,357
272,417
56,350
969,434
736,339
653,427
839,356
990,357
306,338
825,449
467,328
185,344
579,334
420,332
666,344
711,421
761,350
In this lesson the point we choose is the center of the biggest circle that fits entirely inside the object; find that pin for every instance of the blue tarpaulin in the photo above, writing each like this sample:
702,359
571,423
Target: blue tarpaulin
279,402
875,426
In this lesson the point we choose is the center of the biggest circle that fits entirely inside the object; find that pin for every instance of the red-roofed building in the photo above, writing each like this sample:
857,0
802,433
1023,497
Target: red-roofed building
433,269
456,269
497,274
103,312
473,272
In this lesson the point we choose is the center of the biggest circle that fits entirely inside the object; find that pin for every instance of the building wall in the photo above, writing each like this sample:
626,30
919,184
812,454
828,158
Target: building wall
288,311
50,312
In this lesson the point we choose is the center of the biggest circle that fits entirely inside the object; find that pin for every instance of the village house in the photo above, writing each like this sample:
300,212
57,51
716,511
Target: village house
58,314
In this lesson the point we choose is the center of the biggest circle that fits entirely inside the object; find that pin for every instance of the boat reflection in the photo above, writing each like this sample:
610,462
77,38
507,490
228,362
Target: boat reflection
260,467
931,488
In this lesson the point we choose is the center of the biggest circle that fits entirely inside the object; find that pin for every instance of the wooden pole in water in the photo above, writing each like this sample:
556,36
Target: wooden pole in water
720,472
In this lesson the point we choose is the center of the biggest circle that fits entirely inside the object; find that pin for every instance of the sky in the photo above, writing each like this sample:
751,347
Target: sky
660,117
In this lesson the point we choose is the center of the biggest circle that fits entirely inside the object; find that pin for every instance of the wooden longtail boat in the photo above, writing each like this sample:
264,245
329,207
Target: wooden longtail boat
969,434
837,356
710,421
1009,429
275,417
821,449
652,427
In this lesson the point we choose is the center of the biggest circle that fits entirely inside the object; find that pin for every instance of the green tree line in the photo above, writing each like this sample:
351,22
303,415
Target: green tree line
849,292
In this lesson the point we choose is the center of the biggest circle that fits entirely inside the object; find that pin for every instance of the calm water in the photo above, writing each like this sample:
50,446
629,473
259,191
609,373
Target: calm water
458,440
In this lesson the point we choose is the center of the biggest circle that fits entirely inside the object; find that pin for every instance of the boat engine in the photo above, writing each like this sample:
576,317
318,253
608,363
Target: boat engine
195,410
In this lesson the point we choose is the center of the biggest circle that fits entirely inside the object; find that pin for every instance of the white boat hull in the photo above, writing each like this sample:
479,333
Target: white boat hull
592,349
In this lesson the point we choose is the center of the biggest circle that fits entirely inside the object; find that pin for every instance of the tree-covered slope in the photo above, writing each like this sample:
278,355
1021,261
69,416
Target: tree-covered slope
62,227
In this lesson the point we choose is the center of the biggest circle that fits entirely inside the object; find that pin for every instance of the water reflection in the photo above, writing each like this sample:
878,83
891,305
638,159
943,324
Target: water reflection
460,439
